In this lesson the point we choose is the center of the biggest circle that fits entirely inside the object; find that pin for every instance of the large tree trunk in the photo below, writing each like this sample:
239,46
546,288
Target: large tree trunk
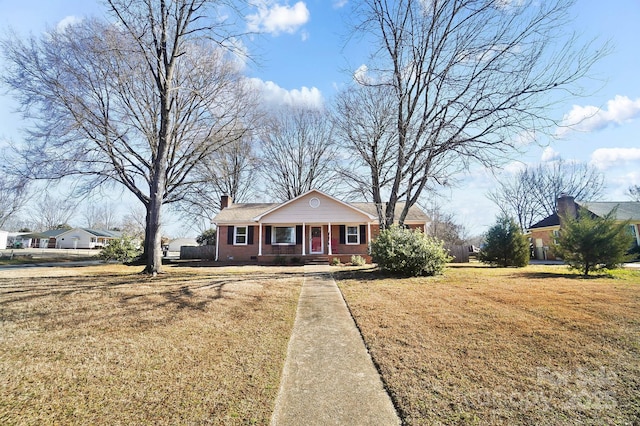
153,236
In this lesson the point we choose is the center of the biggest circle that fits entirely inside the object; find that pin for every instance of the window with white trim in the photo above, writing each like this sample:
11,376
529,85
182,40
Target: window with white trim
285,235
240,236
353,235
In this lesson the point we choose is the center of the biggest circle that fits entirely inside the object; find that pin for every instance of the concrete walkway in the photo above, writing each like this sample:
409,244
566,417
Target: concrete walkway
328,377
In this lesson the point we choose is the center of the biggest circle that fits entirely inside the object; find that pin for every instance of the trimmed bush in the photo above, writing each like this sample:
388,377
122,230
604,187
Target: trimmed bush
407,252
358,260
123,250
335,261
505,245
590,243
207,238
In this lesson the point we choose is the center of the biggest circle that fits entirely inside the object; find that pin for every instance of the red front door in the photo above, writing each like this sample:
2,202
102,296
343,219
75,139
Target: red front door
316,240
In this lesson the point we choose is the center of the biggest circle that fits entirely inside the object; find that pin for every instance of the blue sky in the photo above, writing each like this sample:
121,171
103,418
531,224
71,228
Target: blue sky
301,57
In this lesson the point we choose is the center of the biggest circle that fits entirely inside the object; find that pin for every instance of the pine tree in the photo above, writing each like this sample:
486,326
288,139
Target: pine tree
589,242
505,245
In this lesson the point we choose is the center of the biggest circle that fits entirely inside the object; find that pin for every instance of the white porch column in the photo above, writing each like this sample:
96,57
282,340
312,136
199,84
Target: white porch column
304,240
217,240
329,235
260,239
369,237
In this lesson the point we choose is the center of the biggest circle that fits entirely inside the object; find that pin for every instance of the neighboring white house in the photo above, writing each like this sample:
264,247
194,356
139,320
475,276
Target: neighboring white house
4,235
83,238
22,240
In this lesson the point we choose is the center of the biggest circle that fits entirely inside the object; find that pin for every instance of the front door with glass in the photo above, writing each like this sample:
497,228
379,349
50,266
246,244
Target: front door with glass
316,240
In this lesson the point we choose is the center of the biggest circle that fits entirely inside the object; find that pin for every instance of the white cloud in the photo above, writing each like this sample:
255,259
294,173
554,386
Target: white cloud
66,21
590,118
273,95
604,158
514,167
275,18
360,75
550,154
339,4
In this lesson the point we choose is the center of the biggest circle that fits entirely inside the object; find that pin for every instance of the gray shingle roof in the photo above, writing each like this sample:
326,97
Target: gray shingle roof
414,214
627,210
553,220
246,212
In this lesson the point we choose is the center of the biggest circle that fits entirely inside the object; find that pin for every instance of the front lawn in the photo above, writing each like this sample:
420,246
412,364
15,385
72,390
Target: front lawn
479,345
105,345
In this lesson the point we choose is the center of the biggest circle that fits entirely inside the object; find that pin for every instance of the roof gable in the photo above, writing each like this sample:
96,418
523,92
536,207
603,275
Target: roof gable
314,206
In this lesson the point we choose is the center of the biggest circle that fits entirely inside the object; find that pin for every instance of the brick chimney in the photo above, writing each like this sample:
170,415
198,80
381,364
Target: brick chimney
567,206
225,201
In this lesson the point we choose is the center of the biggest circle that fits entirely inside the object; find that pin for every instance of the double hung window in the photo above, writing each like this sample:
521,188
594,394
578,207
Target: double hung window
353,235
240,235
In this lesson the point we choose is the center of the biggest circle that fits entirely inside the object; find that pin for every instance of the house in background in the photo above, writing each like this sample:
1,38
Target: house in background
85,238
544,233
4,236
25,240
313,225
50,237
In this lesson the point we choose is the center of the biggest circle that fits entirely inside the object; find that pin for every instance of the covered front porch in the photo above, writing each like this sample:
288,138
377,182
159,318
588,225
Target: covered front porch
310,241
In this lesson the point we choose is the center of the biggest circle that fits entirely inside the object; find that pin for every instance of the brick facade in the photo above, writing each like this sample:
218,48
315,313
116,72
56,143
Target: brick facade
249,253
247,232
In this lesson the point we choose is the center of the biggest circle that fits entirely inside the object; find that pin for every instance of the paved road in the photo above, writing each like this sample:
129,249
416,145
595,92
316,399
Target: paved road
70,264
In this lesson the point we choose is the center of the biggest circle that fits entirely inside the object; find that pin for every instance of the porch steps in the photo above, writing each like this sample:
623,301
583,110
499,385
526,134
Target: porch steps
317,260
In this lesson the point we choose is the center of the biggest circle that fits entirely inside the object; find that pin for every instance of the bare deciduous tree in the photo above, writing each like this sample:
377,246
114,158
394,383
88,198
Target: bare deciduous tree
467,78
100,215
364,125
14,194
53,212
514,199
231,171
139,101
533,192
443,225
134,222
298,152
634,192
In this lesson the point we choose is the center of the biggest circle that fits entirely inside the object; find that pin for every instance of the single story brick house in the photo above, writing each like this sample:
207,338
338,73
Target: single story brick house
544,233
313,225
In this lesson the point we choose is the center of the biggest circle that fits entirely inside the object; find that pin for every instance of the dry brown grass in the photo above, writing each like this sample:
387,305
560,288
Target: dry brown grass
479,345
105,345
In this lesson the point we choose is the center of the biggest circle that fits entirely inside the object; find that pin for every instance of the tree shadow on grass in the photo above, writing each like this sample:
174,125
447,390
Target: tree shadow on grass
367,275
121,297
567,274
